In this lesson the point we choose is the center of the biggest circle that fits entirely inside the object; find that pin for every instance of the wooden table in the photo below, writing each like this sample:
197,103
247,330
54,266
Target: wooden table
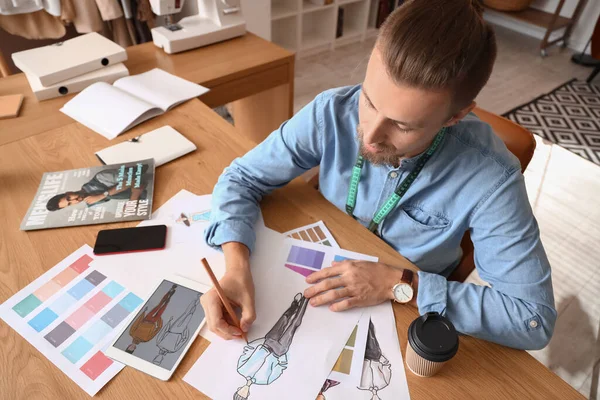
479,370
254,74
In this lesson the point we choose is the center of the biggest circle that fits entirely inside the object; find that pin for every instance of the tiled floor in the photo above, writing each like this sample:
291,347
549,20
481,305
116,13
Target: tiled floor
563,190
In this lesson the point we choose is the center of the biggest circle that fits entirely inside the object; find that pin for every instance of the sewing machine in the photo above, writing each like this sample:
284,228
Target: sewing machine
217,20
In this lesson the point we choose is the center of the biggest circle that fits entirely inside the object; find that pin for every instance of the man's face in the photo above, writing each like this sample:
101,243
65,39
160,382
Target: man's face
70,199
397,121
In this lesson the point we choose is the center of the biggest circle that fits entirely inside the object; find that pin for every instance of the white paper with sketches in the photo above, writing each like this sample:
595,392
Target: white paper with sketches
383,374
184,249
292,346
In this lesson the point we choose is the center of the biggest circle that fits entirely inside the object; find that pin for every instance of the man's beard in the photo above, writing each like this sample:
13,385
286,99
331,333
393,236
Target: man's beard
388,156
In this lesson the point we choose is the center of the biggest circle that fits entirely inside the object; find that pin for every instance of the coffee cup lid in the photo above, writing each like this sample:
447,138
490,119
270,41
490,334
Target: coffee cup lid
433,337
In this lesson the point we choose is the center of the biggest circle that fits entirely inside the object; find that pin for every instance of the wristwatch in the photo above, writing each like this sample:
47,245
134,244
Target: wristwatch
403,292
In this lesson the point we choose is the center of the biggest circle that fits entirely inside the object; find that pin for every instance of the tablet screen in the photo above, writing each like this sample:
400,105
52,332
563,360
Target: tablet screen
164,325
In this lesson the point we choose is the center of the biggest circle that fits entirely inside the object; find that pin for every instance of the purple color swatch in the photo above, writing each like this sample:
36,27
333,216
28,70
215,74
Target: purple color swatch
306,257
300,270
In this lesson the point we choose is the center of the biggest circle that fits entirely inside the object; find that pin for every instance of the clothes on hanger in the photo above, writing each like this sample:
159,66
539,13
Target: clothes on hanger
12,7
109,9
126,22
35,25
143,34
126,5
144,13
119,31
87,16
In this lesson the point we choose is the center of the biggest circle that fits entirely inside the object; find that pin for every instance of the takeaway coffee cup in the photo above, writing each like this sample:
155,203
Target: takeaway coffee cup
432,341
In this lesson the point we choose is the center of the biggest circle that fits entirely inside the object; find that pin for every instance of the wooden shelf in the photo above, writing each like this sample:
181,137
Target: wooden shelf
551,22
310,7
536,17
283,15
342,2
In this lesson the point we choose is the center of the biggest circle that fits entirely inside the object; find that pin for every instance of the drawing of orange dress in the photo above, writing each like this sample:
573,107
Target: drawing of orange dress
146,326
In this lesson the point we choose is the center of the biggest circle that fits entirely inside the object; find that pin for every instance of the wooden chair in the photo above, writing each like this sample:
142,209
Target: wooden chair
518,140
4,69
521,143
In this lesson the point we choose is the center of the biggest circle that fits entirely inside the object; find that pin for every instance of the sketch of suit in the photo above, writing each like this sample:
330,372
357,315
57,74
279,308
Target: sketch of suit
377,370
265,359
174,336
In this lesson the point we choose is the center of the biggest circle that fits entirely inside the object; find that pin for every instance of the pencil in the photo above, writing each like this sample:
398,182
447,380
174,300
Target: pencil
224,299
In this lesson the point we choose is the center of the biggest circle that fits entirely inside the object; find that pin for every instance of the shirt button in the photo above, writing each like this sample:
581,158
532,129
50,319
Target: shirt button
393,175
533,324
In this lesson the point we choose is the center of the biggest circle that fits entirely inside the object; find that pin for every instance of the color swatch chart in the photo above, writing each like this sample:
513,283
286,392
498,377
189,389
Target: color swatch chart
304,261
70,314
314,233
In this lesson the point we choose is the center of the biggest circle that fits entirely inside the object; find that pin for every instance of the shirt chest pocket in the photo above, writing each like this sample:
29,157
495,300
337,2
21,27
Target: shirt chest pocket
412,226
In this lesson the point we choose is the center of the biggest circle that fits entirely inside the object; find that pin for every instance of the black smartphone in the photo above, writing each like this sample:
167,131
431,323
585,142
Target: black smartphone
143,238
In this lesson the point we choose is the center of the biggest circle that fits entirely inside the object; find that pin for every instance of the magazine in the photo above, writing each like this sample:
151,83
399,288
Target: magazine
95,195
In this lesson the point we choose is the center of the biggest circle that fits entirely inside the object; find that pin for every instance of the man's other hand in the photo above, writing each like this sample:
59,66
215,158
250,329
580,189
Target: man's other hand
350,284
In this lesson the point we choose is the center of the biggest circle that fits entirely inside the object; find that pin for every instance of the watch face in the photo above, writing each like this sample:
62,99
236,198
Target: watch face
403,292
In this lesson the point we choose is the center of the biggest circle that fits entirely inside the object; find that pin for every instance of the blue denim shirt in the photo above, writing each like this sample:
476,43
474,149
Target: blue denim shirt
472,183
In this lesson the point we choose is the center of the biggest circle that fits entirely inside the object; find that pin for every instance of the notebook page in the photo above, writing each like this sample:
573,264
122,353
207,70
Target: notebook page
108,110
160,88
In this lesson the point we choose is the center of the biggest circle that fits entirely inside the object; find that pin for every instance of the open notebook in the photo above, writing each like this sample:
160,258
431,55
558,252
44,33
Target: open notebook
113,109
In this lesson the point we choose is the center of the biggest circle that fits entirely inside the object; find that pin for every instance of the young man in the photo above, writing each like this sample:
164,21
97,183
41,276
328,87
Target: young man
408,130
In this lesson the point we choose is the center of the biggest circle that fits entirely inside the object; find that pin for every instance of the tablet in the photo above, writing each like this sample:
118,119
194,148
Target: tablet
158,336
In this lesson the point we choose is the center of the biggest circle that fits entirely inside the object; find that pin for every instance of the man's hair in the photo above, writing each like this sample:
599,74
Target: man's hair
439,45
52,204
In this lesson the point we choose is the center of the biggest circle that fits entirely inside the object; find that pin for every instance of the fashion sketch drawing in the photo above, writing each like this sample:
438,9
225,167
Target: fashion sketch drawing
175,334
265,359
377,370
189,219
146,326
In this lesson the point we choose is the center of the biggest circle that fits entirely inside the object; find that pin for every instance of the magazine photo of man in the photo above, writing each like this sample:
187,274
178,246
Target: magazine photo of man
103,187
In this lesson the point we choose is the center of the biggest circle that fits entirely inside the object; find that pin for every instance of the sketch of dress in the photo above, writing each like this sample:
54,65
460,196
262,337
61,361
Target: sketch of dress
329,383
377,370
187,220
146,326
265,359
174,335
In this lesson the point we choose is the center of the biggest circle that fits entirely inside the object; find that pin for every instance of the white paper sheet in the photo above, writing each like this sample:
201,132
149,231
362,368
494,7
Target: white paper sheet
383,375
315,233
348,367
300,371
70,314
184,249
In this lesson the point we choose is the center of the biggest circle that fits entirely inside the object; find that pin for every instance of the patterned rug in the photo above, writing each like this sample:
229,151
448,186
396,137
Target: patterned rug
568,116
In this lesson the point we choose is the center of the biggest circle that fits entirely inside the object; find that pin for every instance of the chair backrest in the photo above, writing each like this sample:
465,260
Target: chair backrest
521,143
4,69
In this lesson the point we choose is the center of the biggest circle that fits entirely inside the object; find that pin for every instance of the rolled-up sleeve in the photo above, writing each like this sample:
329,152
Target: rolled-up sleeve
286,153
518,309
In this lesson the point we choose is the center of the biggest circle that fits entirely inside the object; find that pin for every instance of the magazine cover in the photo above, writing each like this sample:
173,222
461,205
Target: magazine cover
95,195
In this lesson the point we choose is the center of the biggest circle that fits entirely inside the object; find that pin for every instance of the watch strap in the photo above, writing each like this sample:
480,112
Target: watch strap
407,276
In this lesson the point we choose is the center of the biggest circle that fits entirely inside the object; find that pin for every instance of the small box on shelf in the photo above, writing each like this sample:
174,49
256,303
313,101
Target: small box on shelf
310,6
